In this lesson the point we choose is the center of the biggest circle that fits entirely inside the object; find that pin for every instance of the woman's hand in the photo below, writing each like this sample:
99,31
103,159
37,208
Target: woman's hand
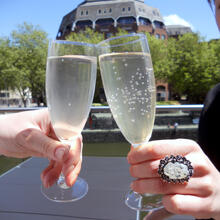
200,197
29,134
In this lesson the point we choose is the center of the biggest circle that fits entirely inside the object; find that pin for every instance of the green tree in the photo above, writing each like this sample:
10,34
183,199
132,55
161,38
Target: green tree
90,36
29,44
213,61
23,61
159,56
189,64
189,67
5,62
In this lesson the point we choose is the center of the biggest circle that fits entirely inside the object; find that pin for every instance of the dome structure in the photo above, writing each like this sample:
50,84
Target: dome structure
106,16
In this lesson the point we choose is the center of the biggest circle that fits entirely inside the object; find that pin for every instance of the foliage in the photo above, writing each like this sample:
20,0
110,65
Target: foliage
93,37
192,69
87,36
168,103
189,64
159,56
24,60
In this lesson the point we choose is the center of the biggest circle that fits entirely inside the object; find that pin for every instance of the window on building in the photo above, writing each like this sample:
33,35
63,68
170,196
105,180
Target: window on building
157,36
126,20
81,13
159,24
84,24
129,8
99,11
110,10
105,22
4,94
59,34
163,37
87,12
69,27
161,93
144,21
123,9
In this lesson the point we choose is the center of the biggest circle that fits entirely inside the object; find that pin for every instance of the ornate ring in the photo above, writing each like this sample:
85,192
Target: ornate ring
176,169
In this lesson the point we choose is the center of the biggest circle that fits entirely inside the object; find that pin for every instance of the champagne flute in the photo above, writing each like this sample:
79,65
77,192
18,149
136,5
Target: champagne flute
70,85
129,84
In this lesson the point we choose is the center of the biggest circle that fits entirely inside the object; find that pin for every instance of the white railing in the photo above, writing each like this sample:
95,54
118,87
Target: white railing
101,109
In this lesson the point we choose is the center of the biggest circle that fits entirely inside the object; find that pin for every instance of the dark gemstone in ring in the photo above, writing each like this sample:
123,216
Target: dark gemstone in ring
176,169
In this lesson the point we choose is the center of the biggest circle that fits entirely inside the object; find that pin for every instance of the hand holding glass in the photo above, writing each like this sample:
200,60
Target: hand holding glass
70,86
129,84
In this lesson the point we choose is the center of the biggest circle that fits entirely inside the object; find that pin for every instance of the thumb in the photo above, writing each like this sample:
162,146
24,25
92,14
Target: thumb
36,141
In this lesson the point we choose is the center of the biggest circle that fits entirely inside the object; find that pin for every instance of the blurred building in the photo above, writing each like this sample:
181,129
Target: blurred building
10,98
177,30
106,16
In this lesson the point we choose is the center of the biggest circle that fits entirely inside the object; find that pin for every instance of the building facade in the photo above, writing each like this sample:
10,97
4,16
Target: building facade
177,30
106,16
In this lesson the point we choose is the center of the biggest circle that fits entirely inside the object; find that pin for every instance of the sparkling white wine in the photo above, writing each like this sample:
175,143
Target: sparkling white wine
129,85
70,88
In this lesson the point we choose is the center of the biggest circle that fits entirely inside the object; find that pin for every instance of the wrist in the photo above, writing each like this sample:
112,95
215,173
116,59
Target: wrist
2,136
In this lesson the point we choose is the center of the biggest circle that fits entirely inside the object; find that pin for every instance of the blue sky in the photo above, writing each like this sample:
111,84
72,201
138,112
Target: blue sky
48,14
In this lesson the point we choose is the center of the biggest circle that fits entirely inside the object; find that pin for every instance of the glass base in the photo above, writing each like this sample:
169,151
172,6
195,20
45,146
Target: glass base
143,202
59,192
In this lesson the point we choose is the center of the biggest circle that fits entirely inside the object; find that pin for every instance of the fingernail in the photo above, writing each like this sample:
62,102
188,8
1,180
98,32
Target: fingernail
60,153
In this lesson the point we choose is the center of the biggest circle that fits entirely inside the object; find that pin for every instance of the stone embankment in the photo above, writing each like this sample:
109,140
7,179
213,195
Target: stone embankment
101,127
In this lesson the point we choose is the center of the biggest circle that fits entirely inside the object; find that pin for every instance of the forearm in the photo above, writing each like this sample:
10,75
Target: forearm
11,126
4,140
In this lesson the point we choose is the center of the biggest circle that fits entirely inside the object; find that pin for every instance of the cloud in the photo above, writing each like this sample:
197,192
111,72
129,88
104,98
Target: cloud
176,20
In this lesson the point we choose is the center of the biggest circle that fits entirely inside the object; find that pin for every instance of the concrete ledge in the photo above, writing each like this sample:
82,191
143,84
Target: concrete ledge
159,132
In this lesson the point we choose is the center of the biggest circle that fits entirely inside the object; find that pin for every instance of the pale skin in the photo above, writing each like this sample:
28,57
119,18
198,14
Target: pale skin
28,134
200,197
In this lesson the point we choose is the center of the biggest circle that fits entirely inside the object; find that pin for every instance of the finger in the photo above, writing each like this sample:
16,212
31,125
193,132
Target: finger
52,133
195,186
72,165
145,170
149,169
72,175
159,149
42,118
158,214
50,175
35,140
49,167
74,155
187,205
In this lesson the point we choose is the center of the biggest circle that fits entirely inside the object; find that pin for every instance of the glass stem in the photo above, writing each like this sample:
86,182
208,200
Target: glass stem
61,182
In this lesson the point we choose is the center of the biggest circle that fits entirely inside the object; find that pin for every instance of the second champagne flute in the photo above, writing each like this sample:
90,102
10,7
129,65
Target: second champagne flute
70,86
128,80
